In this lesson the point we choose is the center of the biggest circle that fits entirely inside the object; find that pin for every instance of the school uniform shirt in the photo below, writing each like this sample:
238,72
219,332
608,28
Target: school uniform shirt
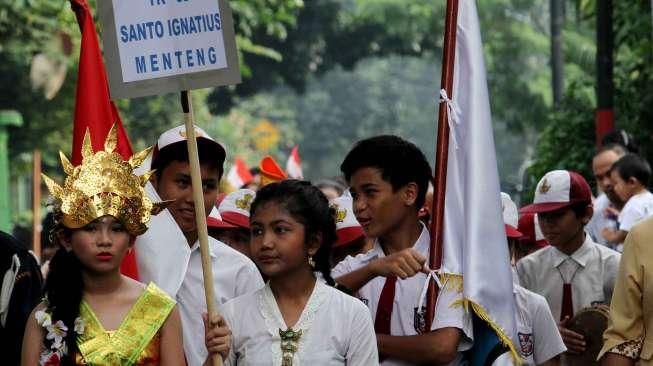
591,271
165,258
336,330
600,221
406,320
638,207
537,331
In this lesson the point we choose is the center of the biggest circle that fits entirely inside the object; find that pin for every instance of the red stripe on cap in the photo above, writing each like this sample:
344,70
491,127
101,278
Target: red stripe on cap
347,235
235,218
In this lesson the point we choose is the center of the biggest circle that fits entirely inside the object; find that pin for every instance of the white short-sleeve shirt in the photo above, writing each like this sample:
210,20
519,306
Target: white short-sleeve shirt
336,330
638,207
406,320
592,283
537,331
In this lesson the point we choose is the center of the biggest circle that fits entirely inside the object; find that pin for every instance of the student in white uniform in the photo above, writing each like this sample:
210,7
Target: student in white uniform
573,272
298,318
388,179
631,175
539,340
169,254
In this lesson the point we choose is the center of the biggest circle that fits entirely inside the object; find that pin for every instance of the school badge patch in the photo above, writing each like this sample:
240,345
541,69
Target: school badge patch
526,344
419,319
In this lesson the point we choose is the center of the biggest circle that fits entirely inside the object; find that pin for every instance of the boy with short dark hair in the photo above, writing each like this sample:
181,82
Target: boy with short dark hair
631,175
168,254
388,178
573,272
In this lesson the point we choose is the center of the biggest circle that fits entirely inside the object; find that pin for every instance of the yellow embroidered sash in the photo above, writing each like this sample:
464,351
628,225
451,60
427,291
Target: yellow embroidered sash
125,346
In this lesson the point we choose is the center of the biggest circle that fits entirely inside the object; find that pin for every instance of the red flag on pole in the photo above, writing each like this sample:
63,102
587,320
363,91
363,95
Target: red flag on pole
294,164
94,109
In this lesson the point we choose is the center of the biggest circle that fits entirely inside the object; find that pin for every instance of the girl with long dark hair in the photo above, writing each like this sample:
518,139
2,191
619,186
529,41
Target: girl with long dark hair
92,314
299,317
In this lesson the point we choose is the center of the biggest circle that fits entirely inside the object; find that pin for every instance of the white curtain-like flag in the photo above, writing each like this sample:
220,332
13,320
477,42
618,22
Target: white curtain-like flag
475,243
294,164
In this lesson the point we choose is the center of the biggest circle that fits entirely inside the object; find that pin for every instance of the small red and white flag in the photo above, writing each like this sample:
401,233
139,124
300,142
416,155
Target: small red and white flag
239,174
294,164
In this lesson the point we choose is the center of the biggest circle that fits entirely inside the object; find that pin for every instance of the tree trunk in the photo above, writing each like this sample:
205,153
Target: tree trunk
557,62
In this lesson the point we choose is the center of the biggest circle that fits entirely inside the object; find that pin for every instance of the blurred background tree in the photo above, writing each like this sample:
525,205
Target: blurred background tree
326,73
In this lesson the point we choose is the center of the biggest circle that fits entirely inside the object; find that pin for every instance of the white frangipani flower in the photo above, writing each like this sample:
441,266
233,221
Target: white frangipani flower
43,318
57,332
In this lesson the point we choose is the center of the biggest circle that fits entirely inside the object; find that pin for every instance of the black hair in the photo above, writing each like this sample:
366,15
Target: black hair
400,162
308,205
179,152
63,289
633,166
620,150
623,138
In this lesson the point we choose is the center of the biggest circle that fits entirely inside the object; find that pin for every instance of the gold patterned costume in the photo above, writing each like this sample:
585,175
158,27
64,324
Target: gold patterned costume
135,342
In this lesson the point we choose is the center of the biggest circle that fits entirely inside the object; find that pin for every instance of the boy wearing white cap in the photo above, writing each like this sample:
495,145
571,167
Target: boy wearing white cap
573,272
169,255
537,331
351,238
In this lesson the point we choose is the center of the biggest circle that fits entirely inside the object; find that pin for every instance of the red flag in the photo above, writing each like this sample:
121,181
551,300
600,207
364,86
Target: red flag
239,174
94,109
294,164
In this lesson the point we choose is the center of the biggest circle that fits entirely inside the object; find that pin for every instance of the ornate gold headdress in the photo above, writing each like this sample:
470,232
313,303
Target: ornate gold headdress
103,184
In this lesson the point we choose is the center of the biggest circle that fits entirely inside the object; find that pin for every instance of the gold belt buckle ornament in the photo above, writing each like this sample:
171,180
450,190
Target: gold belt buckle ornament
289,344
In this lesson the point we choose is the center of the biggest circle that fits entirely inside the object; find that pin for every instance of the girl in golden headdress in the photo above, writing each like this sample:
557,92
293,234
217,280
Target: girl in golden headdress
91,313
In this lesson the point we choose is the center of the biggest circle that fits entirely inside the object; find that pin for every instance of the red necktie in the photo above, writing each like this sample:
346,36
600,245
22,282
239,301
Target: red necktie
567,304
384,309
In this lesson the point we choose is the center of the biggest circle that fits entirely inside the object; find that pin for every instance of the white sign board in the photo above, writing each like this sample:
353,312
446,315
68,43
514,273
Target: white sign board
158,46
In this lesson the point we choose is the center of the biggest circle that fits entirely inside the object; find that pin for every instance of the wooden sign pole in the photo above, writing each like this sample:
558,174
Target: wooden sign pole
200,214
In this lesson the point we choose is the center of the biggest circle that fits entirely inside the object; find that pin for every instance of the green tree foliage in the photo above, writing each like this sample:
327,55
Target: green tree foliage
568,141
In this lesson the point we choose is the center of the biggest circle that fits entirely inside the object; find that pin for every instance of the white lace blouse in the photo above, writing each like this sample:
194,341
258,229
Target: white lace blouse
336,330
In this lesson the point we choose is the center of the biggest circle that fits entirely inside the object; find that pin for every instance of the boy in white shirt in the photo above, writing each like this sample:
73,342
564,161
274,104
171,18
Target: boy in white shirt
537,332
631,175
388,179
169,254
573,272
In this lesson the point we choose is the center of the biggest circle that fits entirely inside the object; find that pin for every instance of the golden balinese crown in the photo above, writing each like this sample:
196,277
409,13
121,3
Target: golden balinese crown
103,184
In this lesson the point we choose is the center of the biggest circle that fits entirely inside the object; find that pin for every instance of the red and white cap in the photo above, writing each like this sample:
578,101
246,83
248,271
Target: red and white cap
529,226
510,216
215,221
347,227
235,206
178,134
558,189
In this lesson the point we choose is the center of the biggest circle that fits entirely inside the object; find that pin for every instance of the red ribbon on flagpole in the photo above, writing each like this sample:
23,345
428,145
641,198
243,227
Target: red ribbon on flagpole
441,157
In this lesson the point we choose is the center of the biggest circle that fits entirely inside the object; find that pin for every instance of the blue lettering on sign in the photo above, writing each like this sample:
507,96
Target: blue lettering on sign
141,31
140,64
180,59
213,58
154,63
167,61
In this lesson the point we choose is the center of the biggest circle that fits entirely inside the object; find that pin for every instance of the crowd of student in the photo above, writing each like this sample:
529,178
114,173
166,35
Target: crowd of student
329,273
